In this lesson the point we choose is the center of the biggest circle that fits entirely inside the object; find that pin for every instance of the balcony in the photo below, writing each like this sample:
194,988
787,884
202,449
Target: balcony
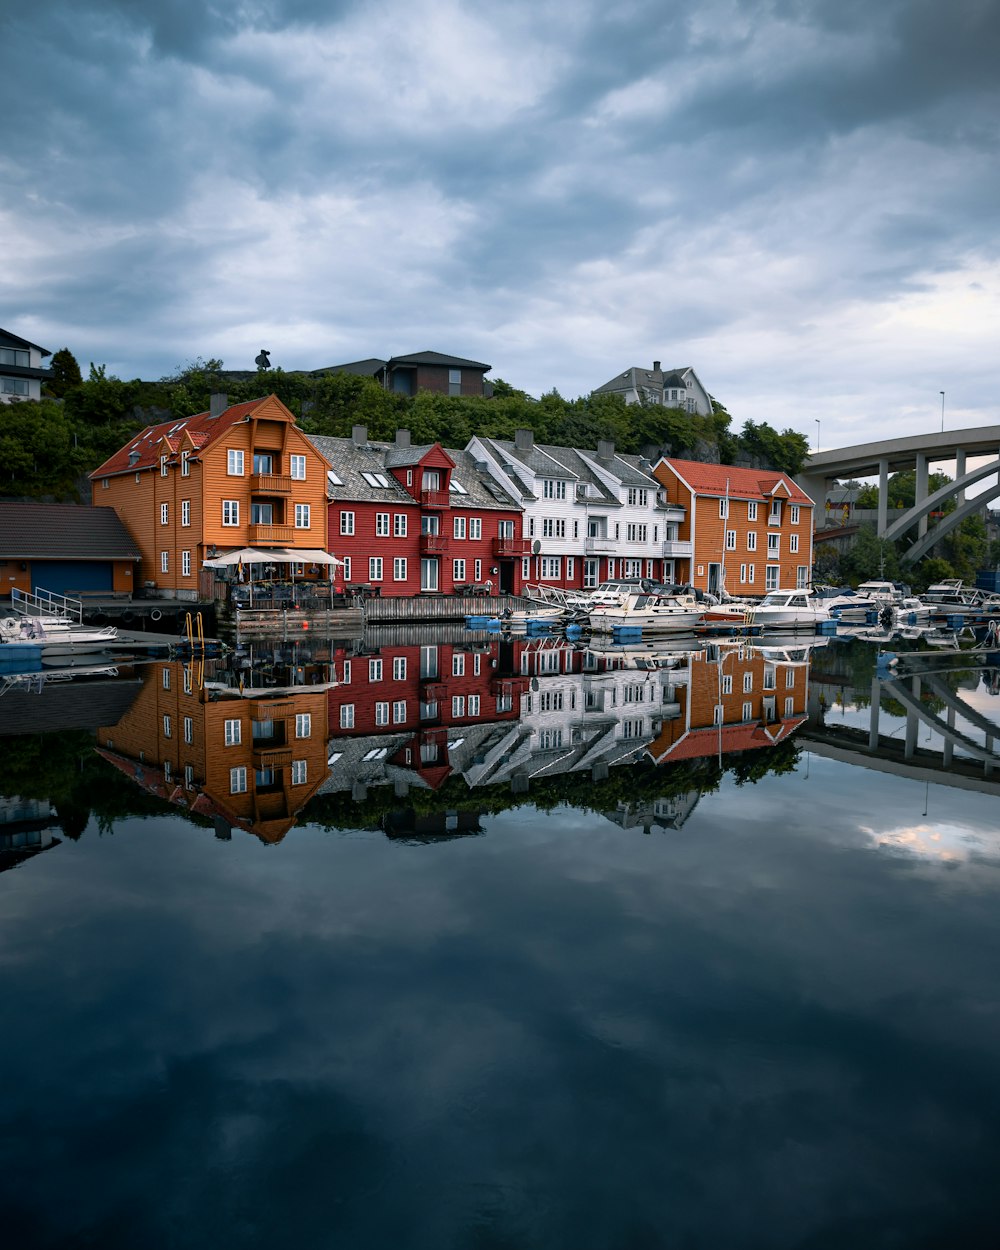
600,545
432,689
515,548
271,756
512,685
433,544
678,547
434,499
271,709
278,535
270,484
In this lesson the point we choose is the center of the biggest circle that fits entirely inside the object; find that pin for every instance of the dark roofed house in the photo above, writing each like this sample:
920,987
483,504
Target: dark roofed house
421,371
65,548
21,372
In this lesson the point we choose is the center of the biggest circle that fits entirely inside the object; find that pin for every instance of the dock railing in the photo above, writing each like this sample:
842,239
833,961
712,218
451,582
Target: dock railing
46,603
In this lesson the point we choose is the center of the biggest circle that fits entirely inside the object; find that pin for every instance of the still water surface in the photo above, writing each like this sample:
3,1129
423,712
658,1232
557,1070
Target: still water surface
702,1003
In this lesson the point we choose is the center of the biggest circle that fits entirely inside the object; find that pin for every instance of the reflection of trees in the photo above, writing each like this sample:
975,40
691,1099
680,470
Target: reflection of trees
639,782
63,769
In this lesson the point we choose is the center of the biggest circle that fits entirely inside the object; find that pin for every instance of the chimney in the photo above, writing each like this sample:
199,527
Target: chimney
402,438
524,440
218,404
656,366
605,449
359,435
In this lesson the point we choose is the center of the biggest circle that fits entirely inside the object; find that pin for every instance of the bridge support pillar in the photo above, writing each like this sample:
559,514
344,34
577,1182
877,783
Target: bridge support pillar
873,719
921,492
883,496
948,751
912,724
959,471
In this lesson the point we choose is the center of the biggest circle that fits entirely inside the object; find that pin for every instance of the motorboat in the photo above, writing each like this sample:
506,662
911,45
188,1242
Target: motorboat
649,613
883,594
846,604
912,609
56,636
782,609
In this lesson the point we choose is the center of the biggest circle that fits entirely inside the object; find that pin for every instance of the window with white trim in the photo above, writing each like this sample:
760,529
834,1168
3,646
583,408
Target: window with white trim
475,527
748,683
234,462
382,712
164,561
789,706
375,568
458,570
751,510
399,525
751,540
297,468
230,512
165,677
550,566
773,546
793,514
164,514
381,524
793,544
458,705
458,664
163,465
185,564
399,668
303,724
553,489
300,770
302,515
347,522
185,512
238,780
189,729
748,711
474,704
730,540
375,669
399,568
347,716
771,577
727,684
789,678
459,527
232,733
723,509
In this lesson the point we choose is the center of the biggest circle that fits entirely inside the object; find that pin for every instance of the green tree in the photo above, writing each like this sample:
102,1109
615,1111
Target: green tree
64,373
870,557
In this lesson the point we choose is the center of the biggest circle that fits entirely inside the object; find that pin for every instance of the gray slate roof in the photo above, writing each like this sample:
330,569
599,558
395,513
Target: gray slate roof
56,531
637,376
349,460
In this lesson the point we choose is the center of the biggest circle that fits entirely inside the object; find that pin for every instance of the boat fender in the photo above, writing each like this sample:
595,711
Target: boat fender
156,615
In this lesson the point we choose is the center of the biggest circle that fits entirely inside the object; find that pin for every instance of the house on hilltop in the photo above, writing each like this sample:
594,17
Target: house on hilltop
672,388
21,372
421,371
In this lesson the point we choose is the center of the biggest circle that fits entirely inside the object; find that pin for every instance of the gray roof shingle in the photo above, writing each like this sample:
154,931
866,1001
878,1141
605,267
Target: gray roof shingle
56,531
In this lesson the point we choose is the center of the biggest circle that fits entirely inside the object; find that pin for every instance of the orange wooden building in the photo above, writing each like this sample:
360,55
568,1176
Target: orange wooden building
248,761
235,476
747,531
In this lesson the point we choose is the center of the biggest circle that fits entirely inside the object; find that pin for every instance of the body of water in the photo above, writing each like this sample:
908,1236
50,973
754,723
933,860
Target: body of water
481,945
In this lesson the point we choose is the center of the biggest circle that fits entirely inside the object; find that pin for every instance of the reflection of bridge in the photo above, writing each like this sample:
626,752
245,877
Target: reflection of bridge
977,767
917,452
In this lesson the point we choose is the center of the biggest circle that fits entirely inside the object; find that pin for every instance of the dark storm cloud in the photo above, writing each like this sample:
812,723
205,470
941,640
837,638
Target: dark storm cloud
735,185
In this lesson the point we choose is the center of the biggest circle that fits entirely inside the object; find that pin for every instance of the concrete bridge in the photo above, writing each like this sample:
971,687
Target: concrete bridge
917,452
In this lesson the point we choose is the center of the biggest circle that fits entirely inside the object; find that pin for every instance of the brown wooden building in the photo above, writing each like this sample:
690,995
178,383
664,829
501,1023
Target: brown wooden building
235,476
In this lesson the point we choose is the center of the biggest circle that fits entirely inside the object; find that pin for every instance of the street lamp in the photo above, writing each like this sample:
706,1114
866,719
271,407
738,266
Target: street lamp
817,434
942,412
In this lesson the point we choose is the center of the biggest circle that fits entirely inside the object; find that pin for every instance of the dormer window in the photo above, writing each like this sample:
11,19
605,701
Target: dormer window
456,486
375,479
185,466
164,460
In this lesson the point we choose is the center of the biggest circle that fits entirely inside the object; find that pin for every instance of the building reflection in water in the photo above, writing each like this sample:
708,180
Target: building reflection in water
247,741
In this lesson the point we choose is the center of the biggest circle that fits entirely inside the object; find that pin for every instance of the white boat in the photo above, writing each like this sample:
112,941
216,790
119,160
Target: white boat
56,636
912,609
783,609
650,613
884,594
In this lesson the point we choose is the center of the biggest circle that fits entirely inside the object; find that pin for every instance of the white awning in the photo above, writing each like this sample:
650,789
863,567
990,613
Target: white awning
272,555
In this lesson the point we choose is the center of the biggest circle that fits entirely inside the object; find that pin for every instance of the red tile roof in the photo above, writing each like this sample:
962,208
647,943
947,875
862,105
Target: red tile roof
201,429
711,479
743,737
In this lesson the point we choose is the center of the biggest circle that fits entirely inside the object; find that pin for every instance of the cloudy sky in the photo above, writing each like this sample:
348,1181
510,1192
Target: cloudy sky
797,197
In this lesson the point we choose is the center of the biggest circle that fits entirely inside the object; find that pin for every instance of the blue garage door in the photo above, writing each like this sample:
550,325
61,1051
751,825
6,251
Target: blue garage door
66,577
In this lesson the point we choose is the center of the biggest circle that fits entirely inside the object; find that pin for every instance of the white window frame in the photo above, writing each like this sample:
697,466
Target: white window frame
382,524
303,516
238,779
347,523
185,513
185,564
399,668
303,724
375,568
297,467
458,570
458,528
347,716
230,512
235,462
164,561
399,525
399,568
164,514
300,772
475,528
